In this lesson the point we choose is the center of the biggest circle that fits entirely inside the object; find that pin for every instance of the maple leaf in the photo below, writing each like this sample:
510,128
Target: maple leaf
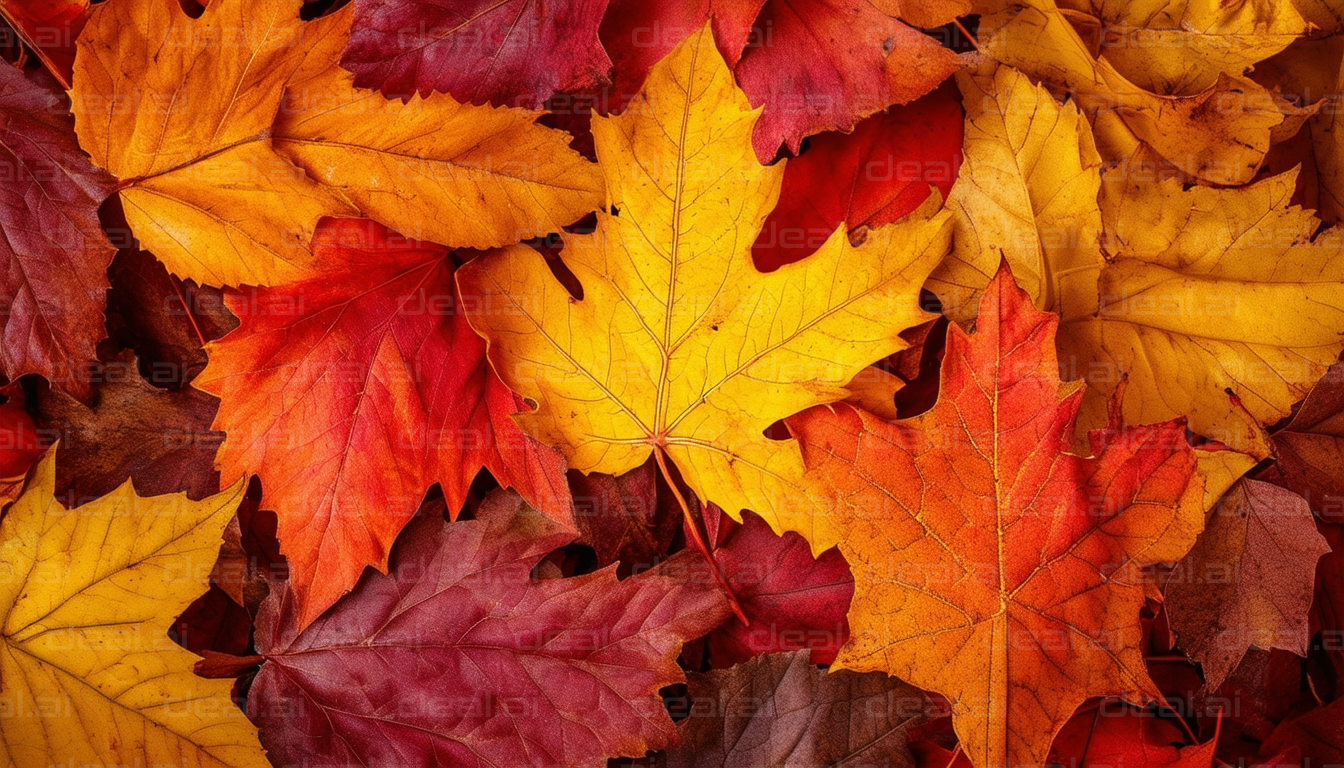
780,710
53,256
991,566
460,656
857,53
862,59
1191,275
515,53
873,176
226,187
793,600
679,346
1247,580
1154,301
48,28
351,393
1219,135
90,675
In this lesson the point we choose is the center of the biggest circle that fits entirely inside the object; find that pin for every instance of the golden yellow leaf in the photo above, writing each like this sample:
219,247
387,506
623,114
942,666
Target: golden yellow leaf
1175,299
1026,192
227,154
90,676
1219,134
678,343
1193,275
1179,48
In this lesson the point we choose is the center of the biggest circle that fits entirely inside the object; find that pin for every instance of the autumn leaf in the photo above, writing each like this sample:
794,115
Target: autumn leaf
1173,296
637,34
780,710
1248,580
161,441
1027,192
991,565
793,600
1190,274
48,28
873,176
864,60
629,520
165,321
460,618
1112,734
1309,449
677,332
226,187
90,674
515,53
1317,734
1219,134
1180,48
350,394
53,256
858,53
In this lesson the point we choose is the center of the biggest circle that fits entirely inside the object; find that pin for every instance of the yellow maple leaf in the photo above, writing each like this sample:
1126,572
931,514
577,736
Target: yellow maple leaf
89,674
1174,297
229,149
1219,134
679,345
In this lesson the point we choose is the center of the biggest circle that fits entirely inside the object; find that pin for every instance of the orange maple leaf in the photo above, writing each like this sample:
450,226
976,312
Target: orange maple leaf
990,564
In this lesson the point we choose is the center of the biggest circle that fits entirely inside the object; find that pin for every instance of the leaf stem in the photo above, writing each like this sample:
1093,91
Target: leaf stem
177,286
969,37
694,525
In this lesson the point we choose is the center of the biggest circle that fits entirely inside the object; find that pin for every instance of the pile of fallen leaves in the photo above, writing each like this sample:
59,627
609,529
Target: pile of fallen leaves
687,382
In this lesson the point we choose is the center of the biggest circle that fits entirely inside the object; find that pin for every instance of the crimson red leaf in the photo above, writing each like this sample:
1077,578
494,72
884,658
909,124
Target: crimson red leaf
824,64
459,658
352,393
794,602
873,176
639,33
512,53
1114,734
54,255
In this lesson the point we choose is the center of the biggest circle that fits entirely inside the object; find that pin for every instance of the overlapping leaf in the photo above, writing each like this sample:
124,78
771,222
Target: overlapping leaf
991,565
515,53
53,255
90,675
1248,580
227,155
460,658
352,393
679,344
